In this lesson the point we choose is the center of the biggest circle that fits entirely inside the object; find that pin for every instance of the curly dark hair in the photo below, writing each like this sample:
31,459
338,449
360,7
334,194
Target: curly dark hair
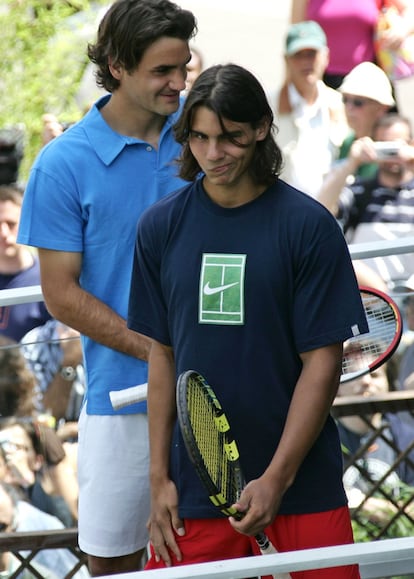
233,93
129,28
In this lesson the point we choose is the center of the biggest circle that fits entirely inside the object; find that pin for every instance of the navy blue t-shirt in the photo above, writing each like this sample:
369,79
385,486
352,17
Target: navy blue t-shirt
238,293
18,319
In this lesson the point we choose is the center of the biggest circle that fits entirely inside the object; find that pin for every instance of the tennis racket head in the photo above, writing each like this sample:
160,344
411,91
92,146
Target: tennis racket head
366,352
209,442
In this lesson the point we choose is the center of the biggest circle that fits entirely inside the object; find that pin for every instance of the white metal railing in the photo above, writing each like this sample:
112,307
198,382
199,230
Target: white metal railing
358,251
378,559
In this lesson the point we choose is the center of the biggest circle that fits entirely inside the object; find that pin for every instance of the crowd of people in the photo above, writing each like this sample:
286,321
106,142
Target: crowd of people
221,178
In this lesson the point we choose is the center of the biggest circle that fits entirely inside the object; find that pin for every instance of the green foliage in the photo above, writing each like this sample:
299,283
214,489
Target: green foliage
43,46
371,524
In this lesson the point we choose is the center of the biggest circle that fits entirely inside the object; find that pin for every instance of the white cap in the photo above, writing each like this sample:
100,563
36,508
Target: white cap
369,81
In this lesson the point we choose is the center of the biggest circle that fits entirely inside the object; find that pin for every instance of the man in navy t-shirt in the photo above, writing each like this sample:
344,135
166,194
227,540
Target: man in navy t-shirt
249,282
19,267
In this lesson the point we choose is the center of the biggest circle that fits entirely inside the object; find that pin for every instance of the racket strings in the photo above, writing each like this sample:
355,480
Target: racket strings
364,350
212,443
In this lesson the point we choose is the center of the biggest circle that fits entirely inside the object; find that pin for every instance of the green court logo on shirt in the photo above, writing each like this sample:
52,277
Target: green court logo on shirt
221,299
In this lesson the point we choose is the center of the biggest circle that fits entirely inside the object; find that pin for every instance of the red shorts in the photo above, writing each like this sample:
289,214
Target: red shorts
215,540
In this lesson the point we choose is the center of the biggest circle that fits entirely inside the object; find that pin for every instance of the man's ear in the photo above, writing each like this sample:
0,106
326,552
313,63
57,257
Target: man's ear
263,129
114,68
38,462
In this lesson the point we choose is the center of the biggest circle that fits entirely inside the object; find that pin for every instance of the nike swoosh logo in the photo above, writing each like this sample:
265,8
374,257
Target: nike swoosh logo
209,291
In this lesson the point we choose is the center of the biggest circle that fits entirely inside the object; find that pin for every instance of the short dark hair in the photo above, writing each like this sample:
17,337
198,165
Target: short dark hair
388,120
232,93
129,27
12,192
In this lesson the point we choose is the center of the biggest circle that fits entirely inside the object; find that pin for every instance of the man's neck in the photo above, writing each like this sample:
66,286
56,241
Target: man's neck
308,91
142,125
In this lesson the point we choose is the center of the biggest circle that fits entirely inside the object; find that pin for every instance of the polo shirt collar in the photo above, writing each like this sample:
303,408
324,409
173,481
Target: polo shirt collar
107,143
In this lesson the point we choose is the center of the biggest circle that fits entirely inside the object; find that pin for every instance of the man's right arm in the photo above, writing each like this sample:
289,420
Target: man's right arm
77,308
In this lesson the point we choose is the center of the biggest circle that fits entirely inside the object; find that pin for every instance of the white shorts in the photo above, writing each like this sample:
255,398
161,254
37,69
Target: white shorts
113,473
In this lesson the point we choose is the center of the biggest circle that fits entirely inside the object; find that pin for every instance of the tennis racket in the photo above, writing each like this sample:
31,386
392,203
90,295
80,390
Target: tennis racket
367,352
212,449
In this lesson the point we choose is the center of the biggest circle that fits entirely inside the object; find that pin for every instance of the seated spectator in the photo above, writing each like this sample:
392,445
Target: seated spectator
402,423
382,207
367,96
9,563
310,115
19,267
54,355
54,467
24,443
375,463
50,563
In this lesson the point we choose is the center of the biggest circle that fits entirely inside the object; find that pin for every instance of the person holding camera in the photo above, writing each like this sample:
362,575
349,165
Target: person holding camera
367,96
382,206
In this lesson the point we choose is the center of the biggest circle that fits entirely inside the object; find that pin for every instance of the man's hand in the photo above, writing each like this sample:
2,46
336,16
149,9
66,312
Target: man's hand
260,501
164,523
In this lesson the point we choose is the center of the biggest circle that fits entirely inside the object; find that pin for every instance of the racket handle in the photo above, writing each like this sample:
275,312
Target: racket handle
127,396
267,548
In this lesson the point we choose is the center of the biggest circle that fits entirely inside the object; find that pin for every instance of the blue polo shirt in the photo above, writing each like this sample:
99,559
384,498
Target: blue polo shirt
86,191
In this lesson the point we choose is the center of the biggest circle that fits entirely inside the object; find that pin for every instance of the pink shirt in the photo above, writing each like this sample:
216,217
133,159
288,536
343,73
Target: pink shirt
349,27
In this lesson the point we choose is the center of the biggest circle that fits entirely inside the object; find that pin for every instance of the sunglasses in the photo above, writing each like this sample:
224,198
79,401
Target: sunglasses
355,102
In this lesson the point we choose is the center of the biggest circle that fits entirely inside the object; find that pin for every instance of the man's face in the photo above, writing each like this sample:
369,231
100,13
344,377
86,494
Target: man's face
154,86
9,223
224,163
307,66
399,132
362,113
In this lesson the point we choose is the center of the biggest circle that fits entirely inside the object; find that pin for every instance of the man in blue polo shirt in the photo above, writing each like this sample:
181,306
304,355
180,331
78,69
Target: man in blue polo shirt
86,191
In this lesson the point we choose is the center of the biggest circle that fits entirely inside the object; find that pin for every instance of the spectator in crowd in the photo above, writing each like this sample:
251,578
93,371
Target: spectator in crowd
9,563
11,153
402,423
17,391
406,364
84,196
54,354
194,67
50,563
372,483
367,95
349,27
19,267
311,118
52,128
31,453
227,265
375,208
